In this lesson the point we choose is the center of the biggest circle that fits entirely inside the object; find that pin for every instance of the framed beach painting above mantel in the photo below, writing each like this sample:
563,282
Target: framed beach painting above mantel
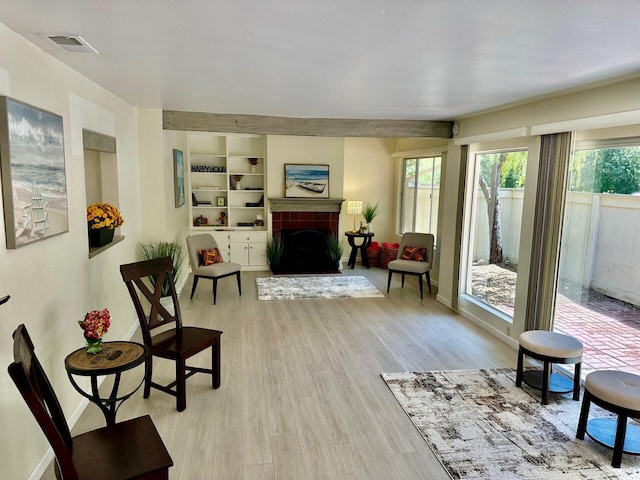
306,180
34,183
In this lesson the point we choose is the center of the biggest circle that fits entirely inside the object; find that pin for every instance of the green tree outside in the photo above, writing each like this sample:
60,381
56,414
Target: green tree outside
606,170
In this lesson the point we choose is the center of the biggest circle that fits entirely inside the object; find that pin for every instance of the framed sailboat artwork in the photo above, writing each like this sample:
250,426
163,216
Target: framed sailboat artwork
306,180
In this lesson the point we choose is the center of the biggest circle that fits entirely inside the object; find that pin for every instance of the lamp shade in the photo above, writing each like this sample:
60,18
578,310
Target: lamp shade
354,207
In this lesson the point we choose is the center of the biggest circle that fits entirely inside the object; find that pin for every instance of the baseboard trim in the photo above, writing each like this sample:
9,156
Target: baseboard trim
489,328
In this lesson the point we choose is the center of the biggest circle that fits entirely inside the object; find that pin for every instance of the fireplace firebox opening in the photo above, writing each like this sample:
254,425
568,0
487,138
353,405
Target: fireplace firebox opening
305,251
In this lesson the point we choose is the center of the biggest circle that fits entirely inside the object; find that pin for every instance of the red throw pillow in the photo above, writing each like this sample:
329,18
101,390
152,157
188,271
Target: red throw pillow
209,257
414,253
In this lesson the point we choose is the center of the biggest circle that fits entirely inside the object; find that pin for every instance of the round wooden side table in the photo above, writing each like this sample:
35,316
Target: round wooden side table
114,359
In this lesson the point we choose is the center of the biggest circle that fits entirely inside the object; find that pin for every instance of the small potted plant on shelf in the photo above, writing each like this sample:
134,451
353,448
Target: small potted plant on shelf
369,212
236,181
102,220
275,251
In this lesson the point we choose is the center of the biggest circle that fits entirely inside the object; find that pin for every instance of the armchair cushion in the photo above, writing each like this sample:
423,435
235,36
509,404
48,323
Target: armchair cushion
414,253
211,256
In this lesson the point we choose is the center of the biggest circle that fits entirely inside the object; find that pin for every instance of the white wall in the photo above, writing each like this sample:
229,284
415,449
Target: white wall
53,283
586,109
369,176
283,149
161,220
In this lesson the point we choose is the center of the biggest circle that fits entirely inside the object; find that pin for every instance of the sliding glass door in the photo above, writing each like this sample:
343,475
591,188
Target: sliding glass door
598,294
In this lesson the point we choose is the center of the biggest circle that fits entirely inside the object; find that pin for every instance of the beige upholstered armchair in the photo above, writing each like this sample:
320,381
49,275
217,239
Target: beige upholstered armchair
203,244
415,257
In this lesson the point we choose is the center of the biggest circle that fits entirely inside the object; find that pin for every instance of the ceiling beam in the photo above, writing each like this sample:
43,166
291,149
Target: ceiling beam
315,127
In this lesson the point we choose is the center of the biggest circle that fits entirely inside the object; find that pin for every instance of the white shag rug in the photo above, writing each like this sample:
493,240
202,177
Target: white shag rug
481,426
326,286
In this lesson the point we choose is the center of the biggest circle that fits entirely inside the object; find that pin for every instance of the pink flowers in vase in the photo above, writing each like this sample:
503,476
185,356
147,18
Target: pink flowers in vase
95,324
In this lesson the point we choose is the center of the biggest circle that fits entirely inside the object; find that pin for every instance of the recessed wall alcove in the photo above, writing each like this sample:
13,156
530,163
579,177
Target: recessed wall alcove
100,175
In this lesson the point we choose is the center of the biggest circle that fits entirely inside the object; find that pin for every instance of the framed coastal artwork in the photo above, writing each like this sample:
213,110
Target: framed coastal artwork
34,183
306,180
178,177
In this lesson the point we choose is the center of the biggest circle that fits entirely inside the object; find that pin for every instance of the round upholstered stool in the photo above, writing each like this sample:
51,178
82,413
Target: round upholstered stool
618,392
550,348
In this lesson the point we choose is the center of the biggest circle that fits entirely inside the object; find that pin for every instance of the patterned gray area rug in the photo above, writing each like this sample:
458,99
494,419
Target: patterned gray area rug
327,286
481,426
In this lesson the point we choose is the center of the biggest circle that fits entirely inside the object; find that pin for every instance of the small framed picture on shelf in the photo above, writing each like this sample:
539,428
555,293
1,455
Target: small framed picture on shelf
220,201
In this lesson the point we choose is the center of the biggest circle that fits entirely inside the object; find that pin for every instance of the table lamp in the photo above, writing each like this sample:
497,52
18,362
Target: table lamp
354,207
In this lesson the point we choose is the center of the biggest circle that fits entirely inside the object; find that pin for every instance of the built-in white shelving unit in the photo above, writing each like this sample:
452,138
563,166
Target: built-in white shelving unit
226,192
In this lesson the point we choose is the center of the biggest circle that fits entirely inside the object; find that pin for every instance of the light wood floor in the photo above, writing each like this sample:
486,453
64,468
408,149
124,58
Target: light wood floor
301,395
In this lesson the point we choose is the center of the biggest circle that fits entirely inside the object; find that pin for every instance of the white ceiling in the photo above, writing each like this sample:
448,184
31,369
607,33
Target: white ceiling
385,59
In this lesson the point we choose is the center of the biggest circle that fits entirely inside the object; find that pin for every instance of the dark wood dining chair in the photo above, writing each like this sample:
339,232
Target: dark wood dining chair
131,449
178,343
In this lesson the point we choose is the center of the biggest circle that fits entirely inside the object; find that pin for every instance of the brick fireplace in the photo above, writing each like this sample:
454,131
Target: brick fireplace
305,226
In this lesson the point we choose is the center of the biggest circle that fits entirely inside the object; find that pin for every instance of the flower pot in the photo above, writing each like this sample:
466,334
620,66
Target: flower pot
94,345
100,237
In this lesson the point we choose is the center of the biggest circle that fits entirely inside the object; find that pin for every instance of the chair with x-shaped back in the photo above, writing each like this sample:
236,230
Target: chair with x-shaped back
131,449
178,343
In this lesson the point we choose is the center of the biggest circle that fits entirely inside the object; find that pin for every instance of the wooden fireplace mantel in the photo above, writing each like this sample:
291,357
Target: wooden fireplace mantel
306,204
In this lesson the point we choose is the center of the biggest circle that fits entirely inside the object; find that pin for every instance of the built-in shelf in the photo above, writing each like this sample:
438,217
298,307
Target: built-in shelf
93,251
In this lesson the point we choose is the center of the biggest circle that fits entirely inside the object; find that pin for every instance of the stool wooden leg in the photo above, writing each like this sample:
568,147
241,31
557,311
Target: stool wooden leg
520,367
584,415
546,373
576,381
621,433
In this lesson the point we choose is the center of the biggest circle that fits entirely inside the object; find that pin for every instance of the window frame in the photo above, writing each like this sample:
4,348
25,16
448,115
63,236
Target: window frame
402,195
468,303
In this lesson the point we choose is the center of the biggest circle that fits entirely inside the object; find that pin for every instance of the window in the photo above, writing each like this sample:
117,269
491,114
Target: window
494,227
420,195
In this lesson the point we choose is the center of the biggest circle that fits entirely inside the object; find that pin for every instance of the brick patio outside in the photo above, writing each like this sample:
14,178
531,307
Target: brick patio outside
608,329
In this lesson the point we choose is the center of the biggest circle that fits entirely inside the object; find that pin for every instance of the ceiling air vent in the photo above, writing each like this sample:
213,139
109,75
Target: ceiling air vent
70,43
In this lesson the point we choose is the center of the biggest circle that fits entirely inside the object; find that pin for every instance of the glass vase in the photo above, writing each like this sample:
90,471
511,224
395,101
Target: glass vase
94,345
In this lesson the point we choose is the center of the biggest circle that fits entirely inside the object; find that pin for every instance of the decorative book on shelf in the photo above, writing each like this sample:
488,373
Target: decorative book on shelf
256,204
195,202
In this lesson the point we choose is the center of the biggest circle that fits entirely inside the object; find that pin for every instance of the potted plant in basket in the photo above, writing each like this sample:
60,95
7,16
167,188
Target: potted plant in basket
369,212
102,220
